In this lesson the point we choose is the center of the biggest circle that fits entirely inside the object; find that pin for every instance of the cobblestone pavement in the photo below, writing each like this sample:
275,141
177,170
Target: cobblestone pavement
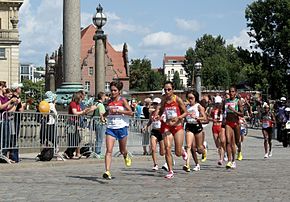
255,179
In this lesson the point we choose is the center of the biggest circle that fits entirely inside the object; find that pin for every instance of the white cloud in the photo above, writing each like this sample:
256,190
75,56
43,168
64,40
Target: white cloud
112,16
40,31
243,40
191,25
119,47
165,40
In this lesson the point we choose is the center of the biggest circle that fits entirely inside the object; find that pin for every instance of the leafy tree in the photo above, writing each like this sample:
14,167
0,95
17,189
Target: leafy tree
139,74
32,91
155,80
269,25
176,81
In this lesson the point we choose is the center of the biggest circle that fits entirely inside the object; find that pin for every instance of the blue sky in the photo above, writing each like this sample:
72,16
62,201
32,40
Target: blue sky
150,28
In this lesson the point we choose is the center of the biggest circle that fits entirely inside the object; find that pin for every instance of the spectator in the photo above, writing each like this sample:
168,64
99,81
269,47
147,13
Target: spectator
99,111
146,136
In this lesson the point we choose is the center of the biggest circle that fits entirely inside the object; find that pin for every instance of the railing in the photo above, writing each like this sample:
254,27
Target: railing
35,131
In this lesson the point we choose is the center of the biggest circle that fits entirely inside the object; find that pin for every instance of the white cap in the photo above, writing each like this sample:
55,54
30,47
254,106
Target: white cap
218,99
157,100
16,85
283,99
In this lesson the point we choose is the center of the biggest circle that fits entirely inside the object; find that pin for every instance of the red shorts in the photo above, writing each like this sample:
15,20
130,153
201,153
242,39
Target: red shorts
173,129
232,124
216,129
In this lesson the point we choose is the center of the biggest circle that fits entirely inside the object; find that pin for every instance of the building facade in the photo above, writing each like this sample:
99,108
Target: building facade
172,64
28,71
116,63
9,40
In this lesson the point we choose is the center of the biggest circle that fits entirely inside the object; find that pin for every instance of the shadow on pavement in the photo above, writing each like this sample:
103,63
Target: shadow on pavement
94,179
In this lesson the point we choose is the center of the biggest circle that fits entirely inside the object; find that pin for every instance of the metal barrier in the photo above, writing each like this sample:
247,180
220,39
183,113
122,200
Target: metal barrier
62,132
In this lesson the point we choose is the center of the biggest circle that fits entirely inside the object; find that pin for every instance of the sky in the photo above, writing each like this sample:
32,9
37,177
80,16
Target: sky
151,28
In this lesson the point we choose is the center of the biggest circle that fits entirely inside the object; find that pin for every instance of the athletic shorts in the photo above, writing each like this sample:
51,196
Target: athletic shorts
194,128
119,133
156,133
173,129
232,124
216,129
268,130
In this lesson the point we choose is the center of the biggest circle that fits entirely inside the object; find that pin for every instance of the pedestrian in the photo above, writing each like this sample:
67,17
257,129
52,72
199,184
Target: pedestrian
172,128
146,114
118,112
234,110
268,121
193,127
99,111
155,135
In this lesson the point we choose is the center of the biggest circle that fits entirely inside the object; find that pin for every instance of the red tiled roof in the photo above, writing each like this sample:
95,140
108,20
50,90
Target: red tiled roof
177,58
87,43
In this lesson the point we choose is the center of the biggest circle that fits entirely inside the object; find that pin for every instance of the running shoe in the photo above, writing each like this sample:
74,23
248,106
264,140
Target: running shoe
155,167
220,162
270,153
165,167
128,161
225,157
184,155
240,156
107,175
196,168
234,165
266,156
229,165
169,175
203,156
186,168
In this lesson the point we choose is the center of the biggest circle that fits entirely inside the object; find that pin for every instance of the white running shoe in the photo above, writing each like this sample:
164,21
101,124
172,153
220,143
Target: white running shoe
196,168
165,167
184,155
270,153
155,167
266,156
234,165
226,157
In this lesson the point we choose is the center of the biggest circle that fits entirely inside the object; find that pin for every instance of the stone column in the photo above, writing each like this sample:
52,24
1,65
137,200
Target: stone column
71,40
100,40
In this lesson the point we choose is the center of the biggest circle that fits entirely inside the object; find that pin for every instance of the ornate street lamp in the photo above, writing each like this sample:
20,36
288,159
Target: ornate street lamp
51,65
197,67
99,21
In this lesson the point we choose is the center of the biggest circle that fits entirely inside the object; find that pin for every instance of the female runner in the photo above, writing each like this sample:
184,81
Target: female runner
117,114
172,128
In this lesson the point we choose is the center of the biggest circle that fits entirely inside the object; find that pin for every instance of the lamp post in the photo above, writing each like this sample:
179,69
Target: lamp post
51,65
99,21
197,67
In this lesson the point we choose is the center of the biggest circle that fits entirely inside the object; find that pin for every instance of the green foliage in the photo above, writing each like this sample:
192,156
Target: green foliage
269,23
143,78
32,91
176,81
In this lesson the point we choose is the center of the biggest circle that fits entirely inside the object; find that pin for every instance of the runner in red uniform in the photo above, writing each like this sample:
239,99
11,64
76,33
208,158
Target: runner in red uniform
172,129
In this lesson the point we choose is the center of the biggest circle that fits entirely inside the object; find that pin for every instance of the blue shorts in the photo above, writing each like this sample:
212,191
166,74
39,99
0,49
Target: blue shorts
119,133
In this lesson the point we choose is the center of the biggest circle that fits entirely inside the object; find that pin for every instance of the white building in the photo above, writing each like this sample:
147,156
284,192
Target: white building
28,71
172,64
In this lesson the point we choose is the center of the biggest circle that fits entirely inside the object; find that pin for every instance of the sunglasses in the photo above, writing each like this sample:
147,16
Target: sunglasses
114,90
191,98
167,89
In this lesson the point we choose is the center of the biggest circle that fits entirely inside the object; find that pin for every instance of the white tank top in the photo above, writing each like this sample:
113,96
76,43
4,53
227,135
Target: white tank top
192,113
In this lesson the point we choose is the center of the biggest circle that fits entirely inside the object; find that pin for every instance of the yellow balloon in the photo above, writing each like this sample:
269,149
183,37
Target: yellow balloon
44,107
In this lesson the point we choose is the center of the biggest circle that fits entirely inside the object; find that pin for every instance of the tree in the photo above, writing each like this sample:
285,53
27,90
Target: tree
269,25
176,81
220,63
156,80
139,74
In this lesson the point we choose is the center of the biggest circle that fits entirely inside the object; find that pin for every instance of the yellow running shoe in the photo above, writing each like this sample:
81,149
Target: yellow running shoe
186,168
128,161
107,175
203,156
240,156
229,165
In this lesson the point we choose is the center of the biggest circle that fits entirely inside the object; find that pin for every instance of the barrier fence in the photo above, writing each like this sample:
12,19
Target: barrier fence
33,131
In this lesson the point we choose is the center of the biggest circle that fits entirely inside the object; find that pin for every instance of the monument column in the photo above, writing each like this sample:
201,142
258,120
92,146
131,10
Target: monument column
71,51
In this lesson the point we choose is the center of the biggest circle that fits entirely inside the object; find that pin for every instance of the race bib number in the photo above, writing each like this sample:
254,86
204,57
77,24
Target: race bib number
266,124
156,124
171,113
